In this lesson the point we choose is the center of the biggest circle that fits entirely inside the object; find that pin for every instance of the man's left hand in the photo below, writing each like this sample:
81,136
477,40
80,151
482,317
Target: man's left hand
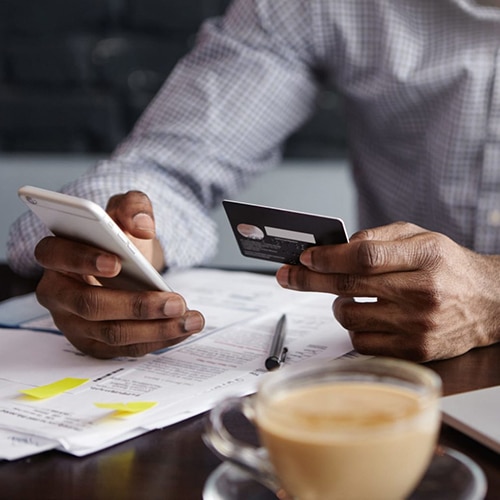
435,298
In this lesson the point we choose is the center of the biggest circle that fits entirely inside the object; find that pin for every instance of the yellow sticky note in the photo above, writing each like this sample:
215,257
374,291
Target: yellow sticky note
50,390
128,408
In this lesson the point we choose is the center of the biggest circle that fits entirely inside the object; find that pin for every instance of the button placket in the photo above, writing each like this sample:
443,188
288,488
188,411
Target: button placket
487,233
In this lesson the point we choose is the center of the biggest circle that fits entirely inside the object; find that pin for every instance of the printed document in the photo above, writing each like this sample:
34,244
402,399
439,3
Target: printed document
53,396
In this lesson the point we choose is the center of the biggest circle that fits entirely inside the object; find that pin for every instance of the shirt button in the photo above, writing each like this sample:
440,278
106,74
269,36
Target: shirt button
494,218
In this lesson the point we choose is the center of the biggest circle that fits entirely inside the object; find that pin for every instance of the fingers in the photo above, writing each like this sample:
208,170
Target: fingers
427,307
377,262
95,303
351,285
380,329
108,339
107,322
383,269
133,212
389,345
390,232
363,256
71,257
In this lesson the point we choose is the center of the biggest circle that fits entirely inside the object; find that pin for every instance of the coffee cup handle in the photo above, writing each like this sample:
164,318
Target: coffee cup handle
251,458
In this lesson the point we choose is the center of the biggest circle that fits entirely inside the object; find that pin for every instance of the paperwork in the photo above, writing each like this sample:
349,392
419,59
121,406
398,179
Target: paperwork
53,396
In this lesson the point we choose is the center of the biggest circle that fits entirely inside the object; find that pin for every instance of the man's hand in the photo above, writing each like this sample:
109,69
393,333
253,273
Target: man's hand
106,322
435,299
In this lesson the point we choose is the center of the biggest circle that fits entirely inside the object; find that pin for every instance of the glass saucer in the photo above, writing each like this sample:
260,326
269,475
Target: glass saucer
451,476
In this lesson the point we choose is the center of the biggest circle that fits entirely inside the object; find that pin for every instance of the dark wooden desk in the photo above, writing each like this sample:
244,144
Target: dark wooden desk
173,463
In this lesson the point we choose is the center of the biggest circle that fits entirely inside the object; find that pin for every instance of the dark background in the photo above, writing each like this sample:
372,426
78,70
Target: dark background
76,74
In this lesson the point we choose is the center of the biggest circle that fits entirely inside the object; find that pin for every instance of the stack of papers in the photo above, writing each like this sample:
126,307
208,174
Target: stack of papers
54,397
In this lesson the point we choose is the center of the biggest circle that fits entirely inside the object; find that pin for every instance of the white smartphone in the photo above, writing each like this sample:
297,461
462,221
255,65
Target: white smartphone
85,221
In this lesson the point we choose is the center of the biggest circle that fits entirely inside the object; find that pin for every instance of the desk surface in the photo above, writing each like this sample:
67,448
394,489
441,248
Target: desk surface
173,463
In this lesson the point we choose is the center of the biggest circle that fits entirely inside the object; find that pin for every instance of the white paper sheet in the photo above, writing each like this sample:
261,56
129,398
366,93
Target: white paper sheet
475,413
241,311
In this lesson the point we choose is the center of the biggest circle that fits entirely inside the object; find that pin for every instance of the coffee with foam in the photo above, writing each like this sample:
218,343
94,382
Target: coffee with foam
337,430
348,440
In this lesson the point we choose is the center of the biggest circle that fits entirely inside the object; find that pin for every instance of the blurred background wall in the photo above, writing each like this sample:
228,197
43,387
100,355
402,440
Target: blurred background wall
76,74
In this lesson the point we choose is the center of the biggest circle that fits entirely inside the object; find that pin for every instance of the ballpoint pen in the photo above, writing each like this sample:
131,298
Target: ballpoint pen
277,352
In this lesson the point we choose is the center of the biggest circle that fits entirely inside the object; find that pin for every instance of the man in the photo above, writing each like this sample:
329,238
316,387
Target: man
420,81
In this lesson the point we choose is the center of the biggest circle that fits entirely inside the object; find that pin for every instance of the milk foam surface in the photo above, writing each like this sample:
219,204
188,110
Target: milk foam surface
349,440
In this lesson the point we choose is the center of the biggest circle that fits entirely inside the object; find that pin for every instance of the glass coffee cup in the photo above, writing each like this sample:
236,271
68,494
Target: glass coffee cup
342,429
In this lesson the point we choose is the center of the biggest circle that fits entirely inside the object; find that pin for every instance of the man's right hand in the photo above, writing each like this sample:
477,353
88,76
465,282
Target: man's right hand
106,322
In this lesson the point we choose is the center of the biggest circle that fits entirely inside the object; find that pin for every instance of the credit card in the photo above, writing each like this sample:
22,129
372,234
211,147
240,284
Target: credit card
279,235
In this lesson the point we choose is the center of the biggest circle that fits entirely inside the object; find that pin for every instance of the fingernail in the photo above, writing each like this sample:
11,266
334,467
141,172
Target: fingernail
305,258
144,222
174,307
194,322
106,264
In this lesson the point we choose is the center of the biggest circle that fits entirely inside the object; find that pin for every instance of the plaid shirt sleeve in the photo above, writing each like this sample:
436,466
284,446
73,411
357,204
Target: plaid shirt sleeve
420,80
218,121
